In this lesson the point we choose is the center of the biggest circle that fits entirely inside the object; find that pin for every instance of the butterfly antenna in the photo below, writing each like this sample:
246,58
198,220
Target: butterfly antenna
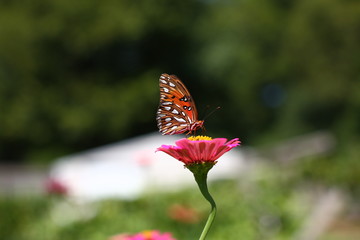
204,111
210,113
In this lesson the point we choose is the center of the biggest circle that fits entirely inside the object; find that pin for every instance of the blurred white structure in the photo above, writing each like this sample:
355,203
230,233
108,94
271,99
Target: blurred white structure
325,210
130,168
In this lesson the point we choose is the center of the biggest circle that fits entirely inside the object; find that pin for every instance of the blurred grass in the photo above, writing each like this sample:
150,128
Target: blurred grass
269,201
258,214
266,203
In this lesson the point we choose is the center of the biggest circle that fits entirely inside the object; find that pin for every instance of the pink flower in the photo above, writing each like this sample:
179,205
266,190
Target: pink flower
145,235
199,149
55,187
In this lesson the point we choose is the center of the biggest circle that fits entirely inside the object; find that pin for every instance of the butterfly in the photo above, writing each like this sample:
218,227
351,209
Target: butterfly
177,111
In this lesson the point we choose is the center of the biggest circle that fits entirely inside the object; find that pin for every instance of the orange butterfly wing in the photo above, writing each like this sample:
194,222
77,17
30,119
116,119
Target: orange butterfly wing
177,111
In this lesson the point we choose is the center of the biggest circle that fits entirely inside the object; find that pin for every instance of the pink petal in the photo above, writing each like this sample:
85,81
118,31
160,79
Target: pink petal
188,145
227,147
203,150
182,143
213,148
189,151
185,156
234,142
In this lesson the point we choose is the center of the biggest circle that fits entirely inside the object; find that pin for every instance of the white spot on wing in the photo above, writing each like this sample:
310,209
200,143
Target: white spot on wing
171,84
180,119
175,111
166,103
167,119
165,89
163,81
167,108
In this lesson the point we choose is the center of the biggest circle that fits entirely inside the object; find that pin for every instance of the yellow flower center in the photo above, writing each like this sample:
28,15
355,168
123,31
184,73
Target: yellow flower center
147,234
198,138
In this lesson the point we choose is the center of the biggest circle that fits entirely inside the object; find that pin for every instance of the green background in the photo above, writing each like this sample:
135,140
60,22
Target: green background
80,74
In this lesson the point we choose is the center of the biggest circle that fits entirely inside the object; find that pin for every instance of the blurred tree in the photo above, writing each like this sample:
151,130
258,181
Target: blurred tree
285,67
79,74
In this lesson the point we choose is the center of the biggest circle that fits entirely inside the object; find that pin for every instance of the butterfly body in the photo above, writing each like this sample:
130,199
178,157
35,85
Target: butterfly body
177,111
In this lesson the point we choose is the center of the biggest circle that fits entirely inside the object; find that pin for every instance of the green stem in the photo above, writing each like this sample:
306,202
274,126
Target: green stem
201,179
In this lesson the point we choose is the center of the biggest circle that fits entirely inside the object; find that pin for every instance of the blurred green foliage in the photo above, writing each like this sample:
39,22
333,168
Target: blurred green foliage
78,74
262,210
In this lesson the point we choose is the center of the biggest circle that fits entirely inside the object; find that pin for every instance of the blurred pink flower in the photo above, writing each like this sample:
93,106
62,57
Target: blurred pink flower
55,187
199,149
145,235
144,159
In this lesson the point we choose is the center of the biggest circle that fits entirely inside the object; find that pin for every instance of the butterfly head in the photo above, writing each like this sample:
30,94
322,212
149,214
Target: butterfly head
196,125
